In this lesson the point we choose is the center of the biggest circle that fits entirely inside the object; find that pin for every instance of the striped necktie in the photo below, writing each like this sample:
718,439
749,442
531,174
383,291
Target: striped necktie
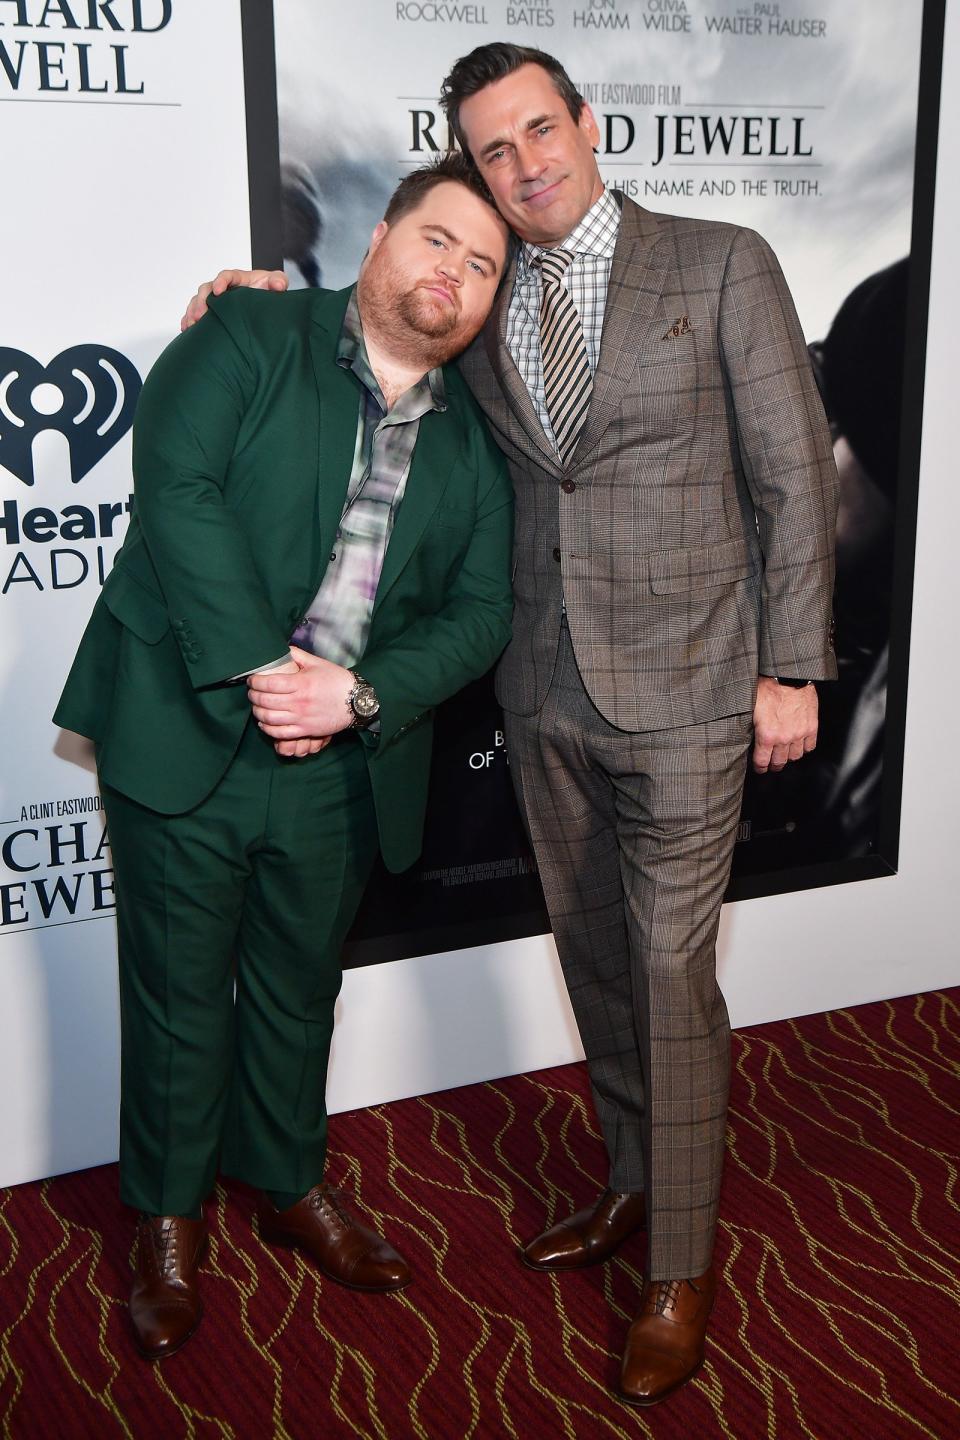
567,381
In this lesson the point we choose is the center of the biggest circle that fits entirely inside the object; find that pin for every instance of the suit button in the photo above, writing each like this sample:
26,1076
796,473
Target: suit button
556,554
568,485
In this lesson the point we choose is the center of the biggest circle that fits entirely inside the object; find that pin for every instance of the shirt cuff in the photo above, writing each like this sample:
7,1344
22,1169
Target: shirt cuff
261,669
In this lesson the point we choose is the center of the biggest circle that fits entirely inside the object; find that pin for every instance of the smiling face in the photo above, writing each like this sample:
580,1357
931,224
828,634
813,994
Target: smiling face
430,276
536,159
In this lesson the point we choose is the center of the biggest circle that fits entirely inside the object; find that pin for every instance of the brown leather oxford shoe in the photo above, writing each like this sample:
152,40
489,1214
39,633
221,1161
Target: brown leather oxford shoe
345,1250
165,1304
665,1343
589,1236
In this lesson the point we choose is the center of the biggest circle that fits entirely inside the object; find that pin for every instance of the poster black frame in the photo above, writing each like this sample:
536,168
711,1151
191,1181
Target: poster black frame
263,160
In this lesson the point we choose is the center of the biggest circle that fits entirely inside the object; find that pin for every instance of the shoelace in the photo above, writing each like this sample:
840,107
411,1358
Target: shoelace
668,1293
333,1200
164,1246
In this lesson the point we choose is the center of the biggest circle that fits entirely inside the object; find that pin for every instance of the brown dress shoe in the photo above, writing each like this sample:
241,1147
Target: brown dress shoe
589,1236
165,1304
665,1343
346,1251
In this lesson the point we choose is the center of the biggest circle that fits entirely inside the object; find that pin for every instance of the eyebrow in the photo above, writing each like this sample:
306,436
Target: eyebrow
455,240
499,142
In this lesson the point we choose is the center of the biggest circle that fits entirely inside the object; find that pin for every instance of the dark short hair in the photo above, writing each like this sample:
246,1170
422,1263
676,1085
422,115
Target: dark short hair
418,183
489,63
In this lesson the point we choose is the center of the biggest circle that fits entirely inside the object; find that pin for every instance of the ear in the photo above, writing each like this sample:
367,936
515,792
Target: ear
379,230
588,124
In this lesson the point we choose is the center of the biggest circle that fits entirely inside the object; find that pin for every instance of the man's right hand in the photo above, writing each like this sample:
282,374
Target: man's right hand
226,280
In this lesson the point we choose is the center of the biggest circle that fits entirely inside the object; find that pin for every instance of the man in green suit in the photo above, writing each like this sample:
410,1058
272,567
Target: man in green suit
307,472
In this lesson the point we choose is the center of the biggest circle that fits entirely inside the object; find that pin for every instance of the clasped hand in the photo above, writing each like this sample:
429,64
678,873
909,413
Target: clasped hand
303,705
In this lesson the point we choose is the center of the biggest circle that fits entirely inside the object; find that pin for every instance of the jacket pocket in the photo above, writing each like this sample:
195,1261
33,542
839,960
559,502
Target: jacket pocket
136,608
673,571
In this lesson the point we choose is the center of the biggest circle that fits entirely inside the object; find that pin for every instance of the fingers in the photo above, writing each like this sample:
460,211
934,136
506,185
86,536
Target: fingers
271,682
292,749
282,732
198,305
226,279
306,745
263,716
761,756
770,756
772,752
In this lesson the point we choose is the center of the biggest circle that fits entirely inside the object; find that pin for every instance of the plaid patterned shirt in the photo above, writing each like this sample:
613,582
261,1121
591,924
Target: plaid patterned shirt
588,275
338,621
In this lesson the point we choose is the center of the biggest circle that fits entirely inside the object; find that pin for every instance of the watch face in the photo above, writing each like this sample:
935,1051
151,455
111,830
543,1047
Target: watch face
365,702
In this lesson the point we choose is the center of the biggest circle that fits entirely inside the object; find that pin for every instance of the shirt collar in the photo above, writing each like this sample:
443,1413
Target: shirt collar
429,392
595,234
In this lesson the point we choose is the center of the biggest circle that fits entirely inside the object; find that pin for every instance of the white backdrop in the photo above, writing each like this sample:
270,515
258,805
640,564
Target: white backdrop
115,204
109,223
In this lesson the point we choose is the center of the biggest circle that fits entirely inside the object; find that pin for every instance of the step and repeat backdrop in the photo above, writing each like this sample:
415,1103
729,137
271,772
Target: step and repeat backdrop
798,118
126,125
124,182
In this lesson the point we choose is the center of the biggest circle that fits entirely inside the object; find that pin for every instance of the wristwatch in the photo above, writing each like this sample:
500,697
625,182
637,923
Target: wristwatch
793,683
363,702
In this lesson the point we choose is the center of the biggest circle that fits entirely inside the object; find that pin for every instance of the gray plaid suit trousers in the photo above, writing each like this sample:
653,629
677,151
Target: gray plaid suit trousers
634,835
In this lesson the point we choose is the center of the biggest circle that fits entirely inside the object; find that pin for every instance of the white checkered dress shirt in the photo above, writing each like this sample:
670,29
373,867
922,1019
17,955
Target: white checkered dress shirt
592,242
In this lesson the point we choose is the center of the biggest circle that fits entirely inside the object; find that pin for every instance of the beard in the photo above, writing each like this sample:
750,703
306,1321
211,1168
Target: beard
426,314
414,325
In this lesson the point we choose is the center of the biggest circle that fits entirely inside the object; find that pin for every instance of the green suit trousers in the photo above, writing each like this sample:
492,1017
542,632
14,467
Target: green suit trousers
230,922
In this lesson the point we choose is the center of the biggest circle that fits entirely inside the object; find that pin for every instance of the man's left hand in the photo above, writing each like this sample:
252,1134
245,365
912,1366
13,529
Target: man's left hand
311,703
297,749
785,724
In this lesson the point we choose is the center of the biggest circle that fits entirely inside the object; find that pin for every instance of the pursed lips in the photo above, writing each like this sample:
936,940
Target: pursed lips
439,290
544,196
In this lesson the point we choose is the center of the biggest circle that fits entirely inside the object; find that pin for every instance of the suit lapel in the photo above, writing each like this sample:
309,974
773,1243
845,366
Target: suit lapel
339,395
515,392
633,295
433,457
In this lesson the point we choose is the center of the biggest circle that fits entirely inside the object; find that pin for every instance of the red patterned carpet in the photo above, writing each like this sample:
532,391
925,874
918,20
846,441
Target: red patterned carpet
839,1249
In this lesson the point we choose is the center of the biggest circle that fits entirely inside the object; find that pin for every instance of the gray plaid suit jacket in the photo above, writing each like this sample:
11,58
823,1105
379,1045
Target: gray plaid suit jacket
691,535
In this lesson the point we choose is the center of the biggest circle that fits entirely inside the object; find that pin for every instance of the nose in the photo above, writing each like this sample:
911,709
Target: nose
530,165
450,266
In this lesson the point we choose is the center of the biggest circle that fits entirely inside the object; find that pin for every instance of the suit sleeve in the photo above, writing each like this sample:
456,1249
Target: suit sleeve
787,460
188,420
441,653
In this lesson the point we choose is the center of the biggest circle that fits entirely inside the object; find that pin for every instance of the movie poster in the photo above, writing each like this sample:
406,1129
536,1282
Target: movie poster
797,118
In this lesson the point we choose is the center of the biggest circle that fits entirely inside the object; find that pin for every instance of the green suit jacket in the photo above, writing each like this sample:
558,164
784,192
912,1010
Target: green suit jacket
242,451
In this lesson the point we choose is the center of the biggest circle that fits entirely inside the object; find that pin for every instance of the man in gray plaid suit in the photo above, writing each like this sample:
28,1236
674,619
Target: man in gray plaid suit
647,378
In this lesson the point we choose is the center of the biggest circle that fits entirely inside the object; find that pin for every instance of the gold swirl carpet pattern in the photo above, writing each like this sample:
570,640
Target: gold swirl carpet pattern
839,1250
